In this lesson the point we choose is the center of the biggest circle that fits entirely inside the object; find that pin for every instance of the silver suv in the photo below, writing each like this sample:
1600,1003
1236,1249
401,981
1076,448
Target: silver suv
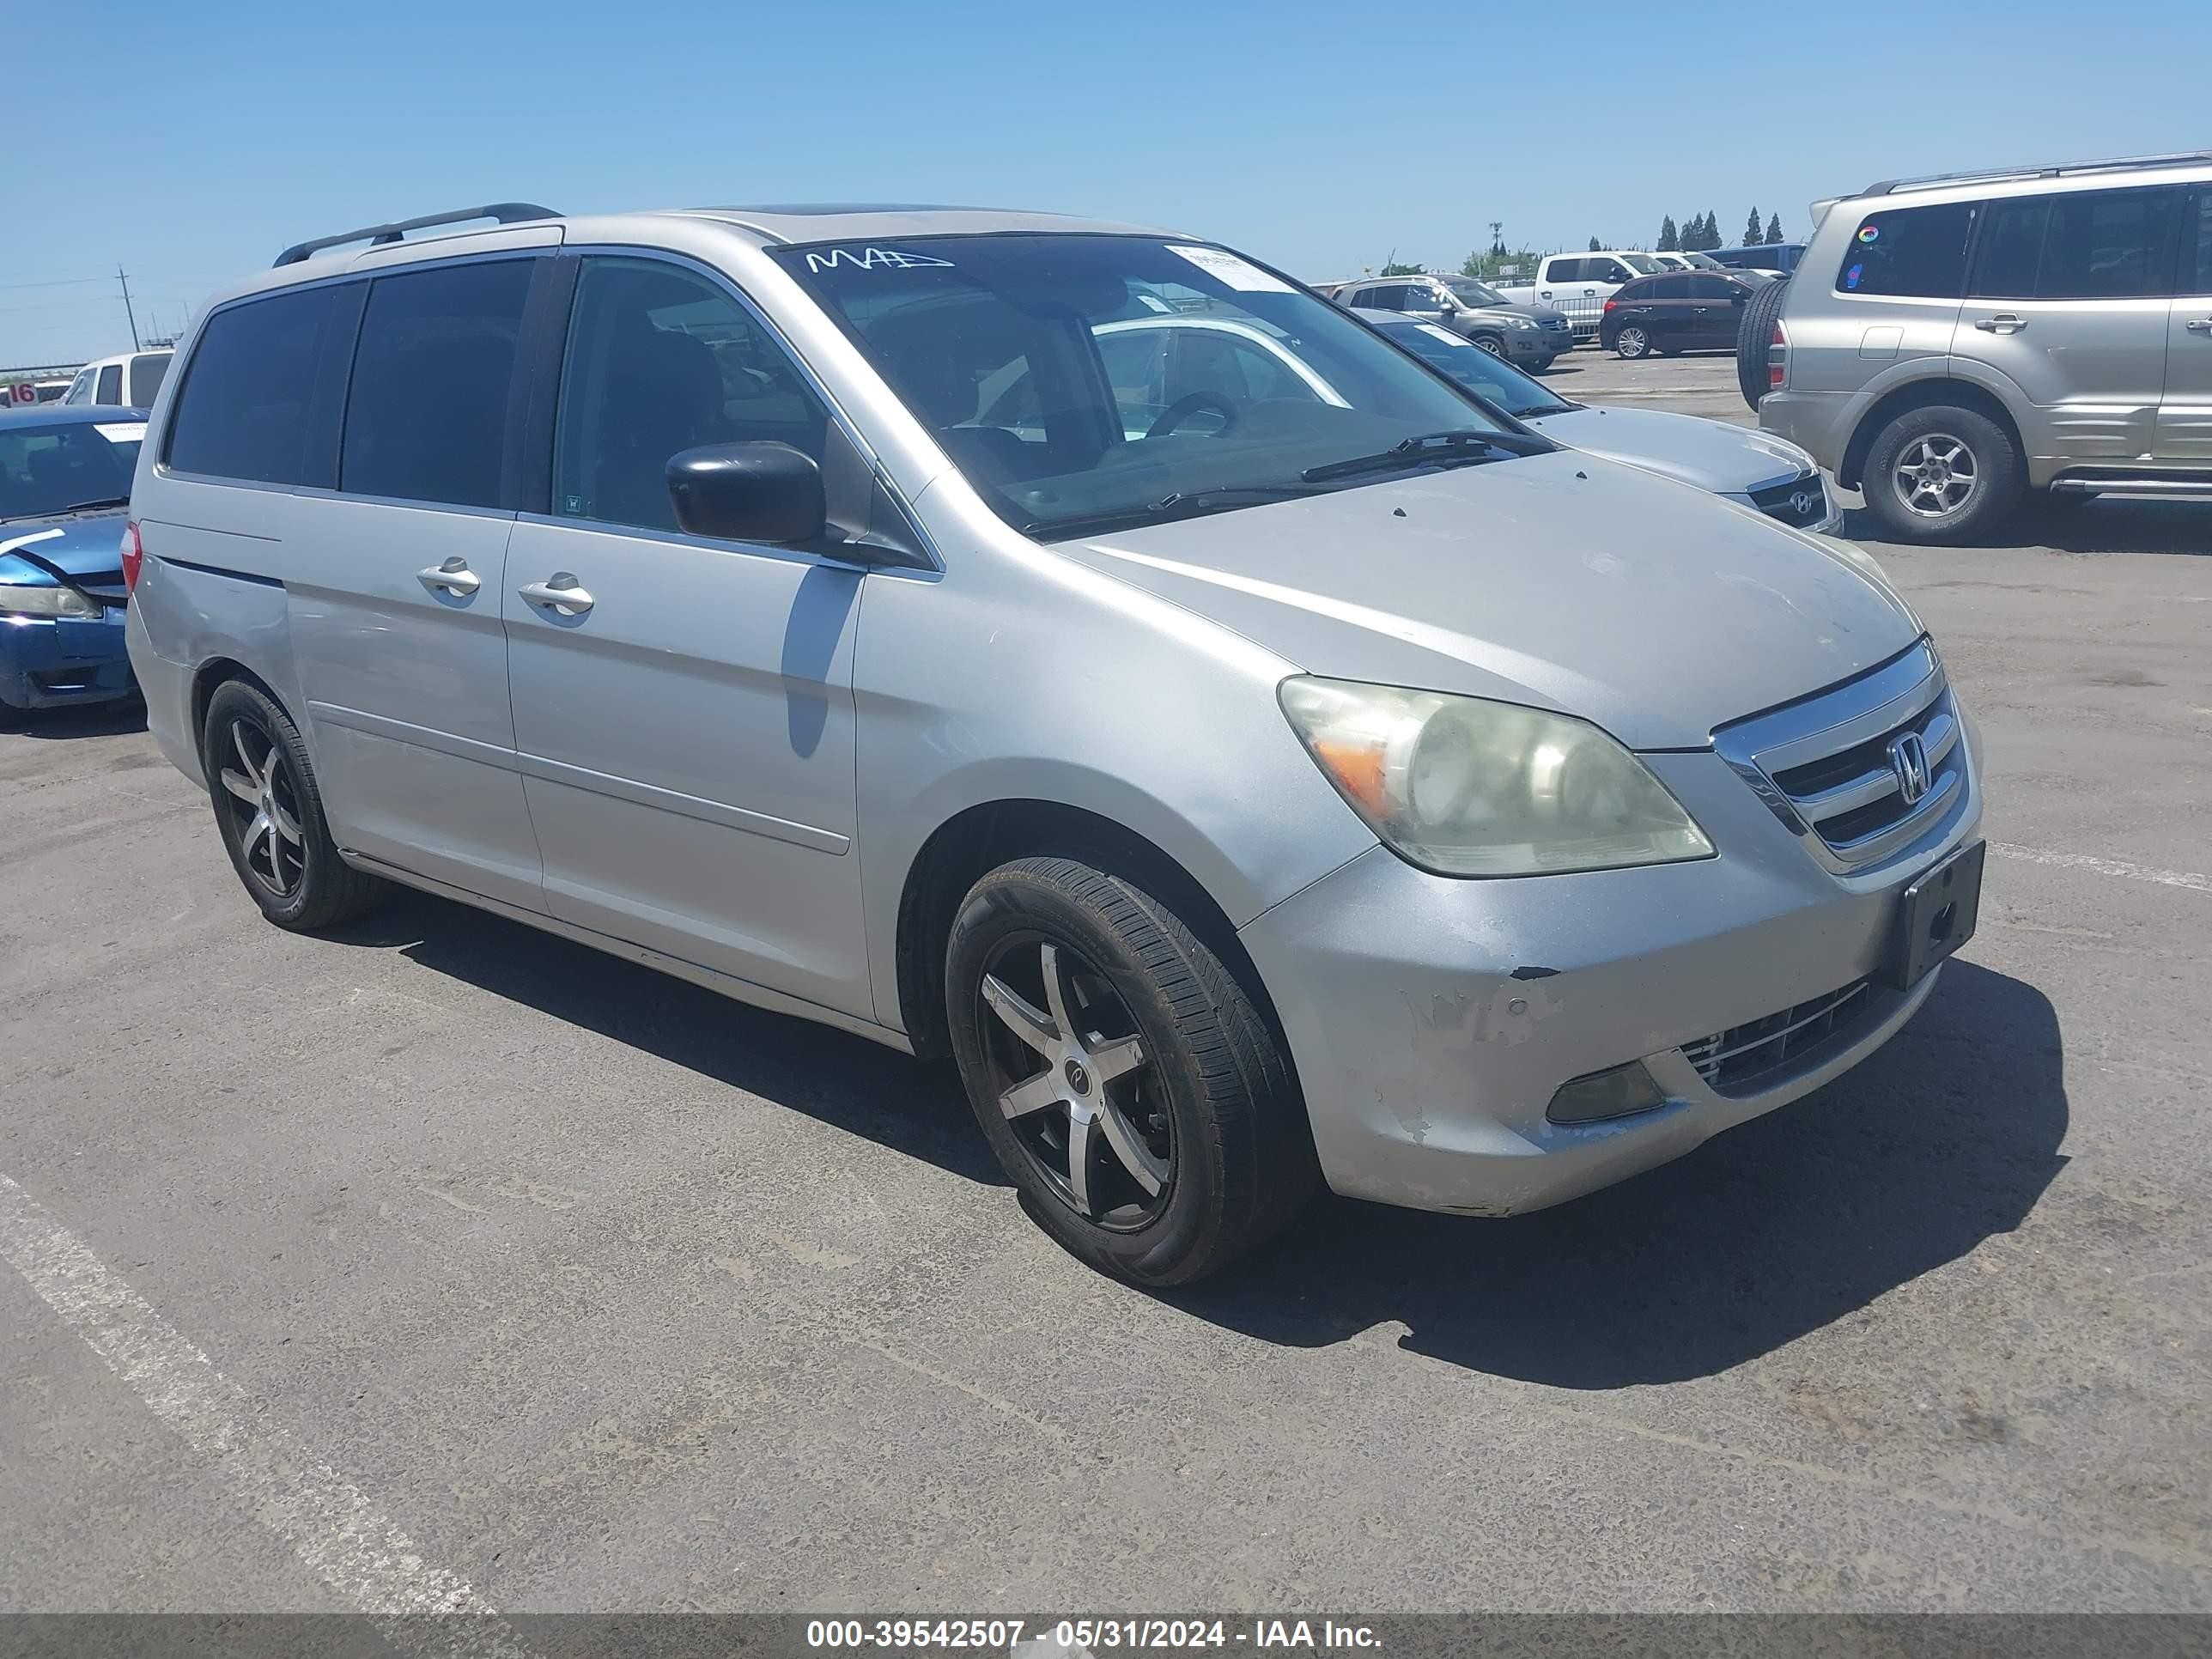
1247,788
1950,343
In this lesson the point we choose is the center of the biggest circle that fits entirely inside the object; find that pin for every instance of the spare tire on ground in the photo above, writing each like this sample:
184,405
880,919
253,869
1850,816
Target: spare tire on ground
1753,334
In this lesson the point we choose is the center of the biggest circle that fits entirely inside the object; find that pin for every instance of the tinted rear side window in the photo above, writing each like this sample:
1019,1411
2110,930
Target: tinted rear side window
146,374
111,384
2110,245
248,407
1919,251
2196,237
2012,245
427,416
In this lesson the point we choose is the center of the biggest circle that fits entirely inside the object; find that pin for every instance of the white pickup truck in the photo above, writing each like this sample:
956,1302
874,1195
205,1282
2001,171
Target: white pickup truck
1579,284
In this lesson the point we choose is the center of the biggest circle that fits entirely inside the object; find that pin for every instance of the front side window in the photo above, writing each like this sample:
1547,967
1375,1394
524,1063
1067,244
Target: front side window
1659,288
1713,288
659,361
427,413
994,344
247,408
1917,251
111,384
146,372
44,471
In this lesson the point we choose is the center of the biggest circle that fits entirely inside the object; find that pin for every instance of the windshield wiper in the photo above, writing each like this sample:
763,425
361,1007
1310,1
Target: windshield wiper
1460,446
1180,504
90,506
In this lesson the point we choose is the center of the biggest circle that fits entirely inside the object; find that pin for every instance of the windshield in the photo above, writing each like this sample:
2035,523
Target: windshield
46,470
1487,376
1643,262
1472,293
1079,381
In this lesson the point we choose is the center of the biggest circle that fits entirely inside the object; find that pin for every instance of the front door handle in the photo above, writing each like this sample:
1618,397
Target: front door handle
2003,323
454,576
2199,325
564,593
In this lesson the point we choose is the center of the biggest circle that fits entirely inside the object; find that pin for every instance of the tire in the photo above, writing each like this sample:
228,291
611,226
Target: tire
260,781
1955,455
1631,343
1199,1085
11,716
1489,343
1755,332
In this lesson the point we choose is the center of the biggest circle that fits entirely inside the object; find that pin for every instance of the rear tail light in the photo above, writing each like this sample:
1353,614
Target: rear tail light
1777,360
133,556
1609,304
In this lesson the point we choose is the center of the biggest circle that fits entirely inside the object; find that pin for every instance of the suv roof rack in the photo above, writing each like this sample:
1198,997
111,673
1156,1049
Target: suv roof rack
507,213
1994,175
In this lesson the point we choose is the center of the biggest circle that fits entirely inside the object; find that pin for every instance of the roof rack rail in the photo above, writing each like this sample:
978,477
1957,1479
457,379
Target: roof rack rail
507,213
1998,175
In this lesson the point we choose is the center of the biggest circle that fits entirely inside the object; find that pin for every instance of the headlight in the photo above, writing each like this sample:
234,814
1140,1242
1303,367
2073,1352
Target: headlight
1465,787
1521,322
46,602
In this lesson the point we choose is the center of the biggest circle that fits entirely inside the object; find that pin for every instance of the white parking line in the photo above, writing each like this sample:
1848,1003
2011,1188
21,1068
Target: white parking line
343,1538
2194,883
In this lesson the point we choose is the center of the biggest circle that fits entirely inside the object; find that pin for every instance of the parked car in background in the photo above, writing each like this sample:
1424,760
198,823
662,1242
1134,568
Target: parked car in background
48,391
1579,284
129,380
1532,336
774,595
1688,261
1780,257
1953,341
1751,468
1682,311
64,485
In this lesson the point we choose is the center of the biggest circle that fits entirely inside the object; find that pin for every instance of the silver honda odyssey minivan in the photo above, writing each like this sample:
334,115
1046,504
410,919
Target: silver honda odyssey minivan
1247,790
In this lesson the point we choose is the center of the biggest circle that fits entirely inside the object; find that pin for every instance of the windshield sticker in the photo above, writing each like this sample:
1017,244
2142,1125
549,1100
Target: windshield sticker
1240,274
1153,302
1443,334
872,259
121,432
1869,232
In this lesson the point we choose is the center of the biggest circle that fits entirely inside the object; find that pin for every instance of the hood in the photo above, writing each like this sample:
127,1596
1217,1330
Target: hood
1559,581
1711,454
83,546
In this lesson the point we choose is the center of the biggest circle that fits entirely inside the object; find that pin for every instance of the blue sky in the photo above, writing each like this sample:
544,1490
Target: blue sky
1284,129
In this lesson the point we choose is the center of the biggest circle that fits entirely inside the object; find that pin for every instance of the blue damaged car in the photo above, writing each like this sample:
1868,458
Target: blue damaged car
64,487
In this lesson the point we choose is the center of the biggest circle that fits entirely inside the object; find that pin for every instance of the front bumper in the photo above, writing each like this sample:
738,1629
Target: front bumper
58,663
1427,1062
1529,345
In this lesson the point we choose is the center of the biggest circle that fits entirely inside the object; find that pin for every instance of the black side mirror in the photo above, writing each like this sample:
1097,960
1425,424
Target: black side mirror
755,492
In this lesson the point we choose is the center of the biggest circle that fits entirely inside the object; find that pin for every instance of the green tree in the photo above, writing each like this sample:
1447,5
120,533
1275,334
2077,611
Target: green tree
1774,228
1472,265
1392,268
1711,239
1670,240
1752,232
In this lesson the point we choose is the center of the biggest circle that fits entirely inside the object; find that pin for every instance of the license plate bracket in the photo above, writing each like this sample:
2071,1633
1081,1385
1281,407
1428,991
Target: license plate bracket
1936,916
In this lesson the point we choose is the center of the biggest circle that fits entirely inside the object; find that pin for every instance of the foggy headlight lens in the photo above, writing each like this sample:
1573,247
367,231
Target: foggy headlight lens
1465,787
45,602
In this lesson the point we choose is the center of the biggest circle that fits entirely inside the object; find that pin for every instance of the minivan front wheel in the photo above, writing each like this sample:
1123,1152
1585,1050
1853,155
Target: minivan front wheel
1127,1083
269,813
1942,474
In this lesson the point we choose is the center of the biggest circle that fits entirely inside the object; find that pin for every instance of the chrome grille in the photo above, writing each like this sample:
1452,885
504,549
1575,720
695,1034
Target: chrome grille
1781,501
1735,1060
1830,768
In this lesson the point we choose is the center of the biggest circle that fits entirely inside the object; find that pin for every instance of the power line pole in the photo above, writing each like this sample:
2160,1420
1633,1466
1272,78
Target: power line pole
127,311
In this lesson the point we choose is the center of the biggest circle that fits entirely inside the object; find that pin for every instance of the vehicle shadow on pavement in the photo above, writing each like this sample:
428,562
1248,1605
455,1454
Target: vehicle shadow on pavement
96,720
2109,526
844,1081
1947,1136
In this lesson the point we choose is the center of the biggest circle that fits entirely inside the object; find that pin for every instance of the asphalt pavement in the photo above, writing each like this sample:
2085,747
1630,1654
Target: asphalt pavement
440,1258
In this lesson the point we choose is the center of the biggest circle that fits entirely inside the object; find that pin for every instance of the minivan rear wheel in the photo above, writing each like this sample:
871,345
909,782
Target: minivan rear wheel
1130,1087
1942,474
1632,341
269,813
